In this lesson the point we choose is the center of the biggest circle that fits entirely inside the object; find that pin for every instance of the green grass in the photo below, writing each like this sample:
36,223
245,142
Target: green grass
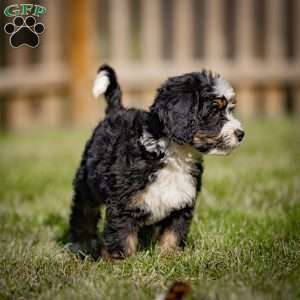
244,240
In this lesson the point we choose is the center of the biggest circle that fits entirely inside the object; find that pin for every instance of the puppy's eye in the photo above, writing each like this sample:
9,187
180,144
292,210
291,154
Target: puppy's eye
220,103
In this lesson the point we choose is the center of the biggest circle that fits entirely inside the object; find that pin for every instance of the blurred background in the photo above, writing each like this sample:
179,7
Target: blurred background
255,44
244,241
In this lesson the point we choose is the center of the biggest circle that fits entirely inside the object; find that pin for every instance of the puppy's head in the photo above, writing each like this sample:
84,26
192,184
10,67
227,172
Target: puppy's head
197,109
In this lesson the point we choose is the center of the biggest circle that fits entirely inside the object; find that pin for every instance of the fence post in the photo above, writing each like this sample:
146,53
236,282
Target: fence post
119,27
245,32
244,54
81,60
214,36
182,24
50,43
274,99
274,95
151,31
296,39
51,106
19,114
246,99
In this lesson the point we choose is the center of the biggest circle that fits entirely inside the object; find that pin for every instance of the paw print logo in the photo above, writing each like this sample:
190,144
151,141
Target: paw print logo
24,32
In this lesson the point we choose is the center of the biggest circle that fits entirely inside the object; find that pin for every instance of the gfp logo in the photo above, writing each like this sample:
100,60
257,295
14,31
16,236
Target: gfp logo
24,30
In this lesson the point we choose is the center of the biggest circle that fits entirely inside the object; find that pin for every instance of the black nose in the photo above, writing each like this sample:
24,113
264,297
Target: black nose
239,134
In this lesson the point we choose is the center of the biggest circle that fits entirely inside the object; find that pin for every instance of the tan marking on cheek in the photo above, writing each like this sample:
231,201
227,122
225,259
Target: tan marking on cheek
168,241
200,138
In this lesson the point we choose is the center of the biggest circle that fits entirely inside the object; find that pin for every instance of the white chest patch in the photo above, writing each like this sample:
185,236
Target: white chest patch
174,187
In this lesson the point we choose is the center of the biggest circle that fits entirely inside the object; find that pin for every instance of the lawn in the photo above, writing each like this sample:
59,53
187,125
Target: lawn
244,241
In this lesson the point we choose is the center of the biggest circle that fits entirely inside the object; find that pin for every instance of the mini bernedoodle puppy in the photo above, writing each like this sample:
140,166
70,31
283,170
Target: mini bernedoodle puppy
146,166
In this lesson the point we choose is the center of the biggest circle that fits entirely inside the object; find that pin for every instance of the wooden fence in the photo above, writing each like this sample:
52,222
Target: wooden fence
255,44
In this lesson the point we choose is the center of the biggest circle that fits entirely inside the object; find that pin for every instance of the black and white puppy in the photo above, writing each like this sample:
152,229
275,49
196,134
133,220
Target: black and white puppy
146,166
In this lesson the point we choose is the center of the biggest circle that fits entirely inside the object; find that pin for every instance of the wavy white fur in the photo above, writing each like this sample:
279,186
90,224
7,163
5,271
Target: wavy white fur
175,186
223,88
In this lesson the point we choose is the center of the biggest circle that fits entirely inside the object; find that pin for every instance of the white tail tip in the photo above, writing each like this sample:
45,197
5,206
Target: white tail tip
101,84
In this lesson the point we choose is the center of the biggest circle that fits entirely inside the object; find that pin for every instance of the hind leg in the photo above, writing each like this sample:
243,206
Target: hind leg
84,218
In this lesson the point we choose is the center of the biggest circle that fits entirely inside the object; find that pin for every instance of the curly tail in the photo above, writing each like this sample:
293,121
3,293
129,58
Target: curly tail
106,83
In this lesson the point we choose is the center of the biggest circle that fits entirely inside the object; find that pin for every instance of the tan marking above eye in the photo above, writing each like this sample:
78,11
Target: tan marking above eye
220,102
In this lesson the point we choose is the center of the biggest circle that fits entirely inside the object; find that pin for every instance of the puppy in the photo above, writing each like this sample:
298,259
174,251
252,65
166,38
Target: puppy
146,166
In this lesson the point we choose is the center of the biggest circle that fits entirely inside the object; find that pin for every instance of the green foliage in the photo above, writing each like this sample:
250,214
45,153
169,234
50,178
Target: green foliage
244,241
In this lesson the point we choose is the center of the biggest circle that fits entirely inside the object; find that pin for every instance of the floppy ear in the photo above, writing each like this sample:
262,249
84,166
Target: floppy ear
177,117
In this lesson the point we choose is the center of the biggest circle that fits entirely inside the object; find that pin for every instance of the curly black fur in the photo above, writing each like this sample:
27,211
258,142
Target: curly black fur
118,163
